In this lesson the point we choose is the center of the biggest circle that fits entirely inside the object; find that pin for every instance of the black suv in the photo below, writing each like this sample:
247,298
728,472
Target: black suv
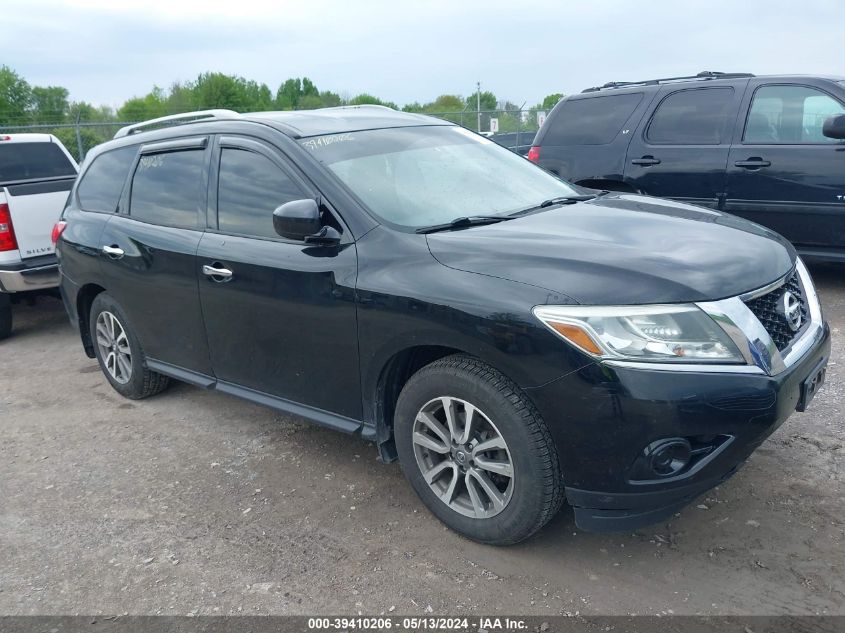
769,149
511,338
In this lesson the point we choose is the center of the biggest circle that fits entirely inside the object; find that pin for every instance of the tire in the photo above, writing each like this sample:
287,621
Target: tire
5,315
120,356
526,499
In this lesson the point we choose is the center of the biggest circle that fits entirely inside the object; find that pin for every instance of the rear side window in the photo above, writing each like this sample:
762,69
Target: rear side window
31,161
692,117
591,121
250,187
100,187
166,188
789,114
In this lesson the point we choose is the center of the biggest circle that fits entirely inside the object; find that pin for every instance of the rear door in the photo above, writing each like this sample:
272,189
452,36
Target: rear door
681,150
783,172
148,251
282,321
37,175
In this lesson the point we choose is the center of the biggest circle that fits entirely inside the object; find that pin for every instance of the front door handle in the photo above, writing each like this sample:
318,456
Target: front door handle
114,251
217,272
753,163
646,161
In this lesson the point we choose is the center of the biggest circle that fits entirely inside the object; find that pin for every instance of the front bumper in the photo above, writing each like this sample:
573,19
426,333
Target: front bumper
38,273
603,416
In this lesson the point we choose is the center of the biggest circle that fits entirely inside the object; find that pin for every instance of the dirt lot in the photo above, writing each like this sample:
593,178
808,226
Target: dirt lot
195,502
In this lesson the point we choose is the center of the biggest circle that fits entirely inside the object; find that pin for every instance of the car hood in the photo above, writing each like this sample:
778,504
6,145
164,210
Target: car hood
622,249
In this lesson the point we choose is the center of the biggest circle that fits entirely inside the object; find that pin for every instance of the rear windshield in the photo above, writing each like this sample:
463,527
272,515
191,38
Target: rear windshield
591,120
32,161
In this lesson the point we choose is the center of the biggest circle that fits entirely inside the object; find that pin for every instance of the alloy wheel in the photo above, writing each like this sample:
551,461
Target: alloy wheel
463,457
114,347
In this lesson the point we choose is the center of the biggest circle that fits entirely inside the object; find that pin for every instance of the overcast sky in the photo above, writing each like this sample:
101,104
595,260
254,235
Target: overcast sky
105,51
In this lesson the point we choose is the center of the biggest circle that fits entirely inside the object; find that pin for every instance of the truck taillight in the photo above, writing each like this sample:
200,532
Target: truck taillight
534,154
7,231
58,229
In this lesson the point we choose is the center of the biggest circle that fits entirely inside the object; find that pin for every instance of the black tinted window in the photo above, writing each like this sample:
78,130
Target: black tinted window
251,186
100,187
27,161
591,121
692,117
166,188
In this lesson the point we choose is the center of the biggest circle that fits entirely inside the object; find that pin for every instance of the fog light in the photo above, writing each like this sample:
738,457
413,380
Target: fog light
669,456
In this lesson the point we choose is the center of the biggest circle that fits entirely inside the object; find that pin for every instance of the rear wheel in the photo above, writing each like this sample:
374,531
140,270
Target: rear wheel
476,451
119,352
5,315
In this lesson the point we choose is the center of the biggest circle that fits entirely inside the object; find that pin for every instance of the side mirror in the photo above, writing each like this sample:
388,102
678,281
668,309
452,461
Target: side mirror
834,126
297,219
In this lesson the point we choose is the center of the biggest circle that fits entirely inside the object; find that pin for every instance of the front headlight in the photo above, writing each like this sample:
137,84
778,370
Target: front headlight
657,333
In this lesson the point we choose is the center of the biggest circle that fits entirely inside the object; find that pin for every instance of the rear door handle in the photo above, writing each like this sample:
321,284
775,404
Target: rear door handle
753,163
646,161
217,272
114,252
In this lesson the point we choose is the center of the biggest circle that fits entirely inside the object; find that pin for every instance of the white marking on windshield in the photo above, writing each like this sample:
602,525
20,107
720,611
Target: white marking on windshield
325,141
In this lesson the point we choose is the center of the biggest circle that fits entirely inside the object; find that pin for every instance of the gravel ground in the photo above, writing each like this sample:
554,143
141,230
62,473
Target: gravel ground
194,502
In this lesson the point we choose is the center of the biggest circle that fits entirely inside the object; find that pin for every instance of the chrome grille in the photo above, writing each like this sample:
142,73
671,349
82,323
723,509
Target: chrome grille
767,309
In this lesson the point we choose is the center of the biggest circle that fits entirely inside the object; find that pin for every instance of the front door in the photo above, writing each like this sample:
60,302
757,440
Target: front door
682,150
784,173
148,251
279,314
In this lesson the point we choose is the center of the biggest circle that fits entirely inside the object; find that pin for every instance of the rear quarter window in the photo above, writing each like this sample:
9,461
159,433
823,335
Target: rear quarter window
591,120
101,184
33,161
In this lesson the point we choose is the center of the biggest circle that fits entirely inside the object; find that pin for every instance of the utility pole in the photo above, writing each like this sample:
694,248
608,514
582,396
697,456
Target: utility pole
478,105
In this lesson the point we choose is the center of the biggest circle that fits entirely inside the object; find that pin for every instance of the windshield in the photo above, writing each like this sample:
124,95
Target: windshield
420,176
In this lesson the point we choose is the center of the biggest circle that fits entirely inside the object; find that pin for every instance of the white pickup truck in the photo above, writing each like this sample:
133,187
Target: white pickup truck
36,174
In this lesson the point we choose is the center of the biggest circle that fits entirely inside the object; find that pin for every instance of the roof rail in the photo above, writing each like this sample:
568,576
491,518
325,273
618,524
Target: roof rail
177,119
706,74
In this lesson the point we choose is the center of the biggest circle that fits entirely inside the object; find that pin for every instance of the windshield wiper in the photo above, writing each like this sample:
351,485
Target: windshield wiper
551,202
464,221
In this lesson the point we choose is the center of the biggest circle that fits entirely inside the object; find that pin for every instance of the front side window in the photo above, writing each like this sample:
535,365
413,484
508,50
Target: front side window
591,120
100,187
166,188
692,117
250,188
419,176
31,161
789,114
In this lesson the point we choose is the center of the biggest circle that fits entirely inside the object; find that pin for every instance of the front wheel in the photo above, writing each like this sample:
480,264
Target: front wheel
477,452
5,315
119,352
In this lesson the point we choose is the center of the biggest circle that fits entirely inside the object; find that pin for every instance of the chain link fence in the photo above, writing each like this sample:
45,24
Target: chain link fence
78,138
514,129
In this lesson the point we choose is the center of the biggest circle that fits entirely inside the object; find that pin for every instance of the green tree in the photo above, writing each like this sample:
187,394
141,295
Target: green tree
368,99
82,111
216,90
330,99
142,108
287,96
488,101
549,102
15,98
416,106
49,104
446,103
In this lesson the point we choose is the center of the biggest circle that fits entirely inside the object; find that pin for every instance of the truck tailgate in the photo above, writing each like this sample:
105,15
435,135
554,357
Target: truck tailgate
35,208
